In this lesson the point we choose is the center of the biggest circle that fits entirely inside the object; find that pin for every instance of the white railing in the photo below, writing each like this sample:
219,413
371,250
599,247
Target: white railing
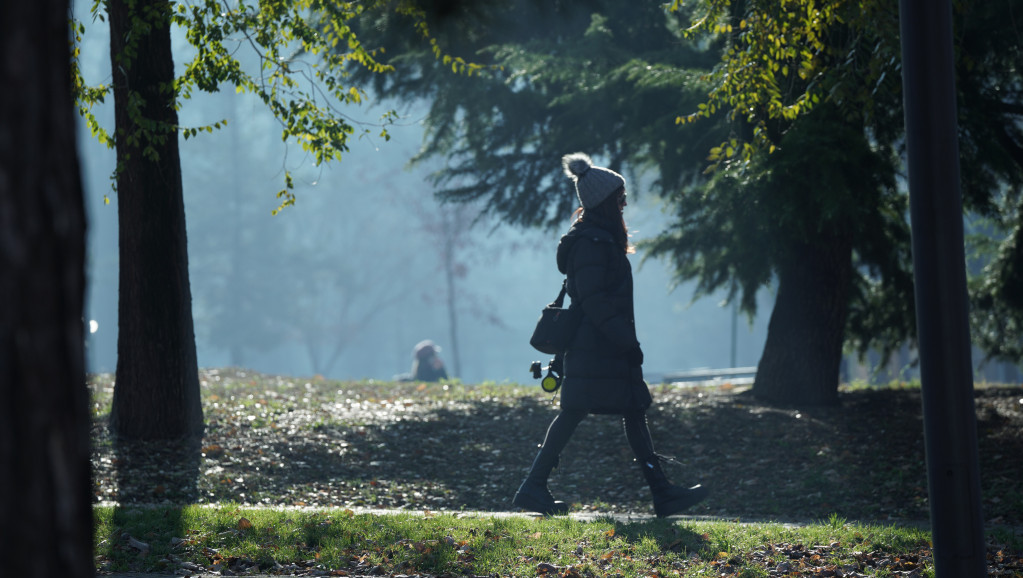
733,375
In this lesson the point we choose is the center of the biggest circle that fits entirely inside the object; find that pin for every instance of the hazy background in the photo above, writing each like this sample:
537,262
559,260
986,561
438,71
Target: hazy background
346,282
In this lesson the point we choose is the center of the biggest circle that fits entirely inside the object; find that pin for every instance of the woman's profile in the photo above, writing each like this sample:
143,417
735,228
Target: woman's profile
603,366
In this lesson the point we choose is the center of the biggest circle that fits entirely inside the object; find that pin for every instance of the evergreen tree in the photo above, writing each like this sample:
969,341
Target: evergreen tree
801,117
990,98
821,220
601,77
611,80
802,54
811,151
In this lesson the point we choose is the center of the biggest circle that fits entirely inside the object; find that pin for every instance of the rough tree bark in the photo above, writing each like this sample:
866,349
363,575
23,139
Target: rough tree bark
45,492
156,395
803,352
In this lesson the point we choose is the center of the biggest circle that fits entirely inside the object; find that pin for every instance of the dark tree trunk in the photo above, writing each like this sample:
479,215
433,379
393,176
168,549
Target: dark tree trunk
45,492
156,395
803,352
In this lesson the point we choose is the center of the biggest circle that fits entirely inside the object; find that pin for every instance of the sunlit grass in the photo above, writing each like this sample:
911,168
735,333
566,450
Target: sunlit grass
309,442
895,384
911,385
229,389
336,540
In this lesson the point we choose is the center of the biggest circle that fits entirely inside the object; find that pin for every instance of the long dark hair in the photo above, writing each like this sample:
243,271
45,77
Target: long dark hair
608,215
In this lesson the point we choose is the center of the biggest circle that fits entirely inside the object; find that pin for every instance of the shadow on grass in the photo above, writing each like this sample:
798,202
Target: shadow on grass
668,534
163,473
862,460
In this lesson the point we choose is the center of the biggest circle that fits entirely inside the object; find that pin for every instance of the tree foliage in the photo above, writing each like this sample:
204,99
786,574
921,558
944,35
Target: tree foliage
292,54
735,230
781,62
612,81
714,87
783,59
300,49
990,97
601,77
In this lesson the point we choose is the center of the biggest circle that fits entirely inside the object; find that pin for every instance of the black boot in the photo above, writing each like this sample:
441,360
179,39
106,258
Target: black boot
533,494
669,499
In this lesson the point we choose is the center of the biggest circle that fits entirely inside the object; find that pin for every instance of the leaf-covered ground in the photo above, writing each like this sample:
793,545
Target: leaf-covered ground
274,440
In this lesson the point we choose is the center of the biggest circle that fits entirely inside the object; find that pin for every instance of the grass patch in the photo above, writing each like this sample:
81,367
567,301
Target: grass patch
294,457
289,441
235,540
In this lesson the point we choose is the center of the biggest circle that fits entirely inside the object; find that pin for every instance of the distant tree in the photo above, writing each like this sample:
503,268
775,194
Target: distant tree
452,232
318,279
241,258
45,489
299,77
344,291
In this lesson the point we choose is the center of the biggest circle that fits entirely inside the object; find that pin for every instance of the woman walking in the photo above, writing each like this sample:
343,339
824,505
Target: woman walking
603,367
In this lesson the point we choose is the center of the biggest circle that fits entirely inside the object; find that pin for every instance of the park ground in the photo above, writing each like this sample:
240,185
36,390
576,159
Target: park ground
277,441
281,441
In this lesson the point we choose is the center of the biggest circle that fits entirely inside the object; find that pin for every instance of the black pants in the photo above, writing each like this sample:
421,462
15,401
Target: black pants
560,431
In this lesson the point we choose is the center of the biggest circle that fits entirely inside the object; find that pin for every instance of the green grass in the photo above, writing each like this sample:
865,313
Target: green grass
909,385
895,384
229,389
337,541
322,443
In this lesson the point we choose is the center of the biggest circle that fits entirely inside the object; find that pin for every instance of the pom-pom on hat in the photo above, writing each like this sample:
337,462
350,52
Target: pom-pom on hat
592,184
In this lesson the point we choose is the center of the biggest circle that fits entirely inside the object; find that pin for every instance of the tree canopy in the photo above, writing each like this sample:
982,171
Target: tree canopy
703,97
292,54
785,58
561,77
296,66
990,97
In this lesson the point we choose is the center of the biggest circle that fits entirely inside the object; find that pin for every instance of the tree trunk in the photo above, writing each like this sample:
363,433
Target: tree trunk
803,352
452,303
45,489
156,395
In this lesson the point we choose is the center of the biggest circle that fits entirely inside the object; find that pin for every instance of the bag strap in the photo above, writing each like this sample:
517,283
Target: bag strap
560,301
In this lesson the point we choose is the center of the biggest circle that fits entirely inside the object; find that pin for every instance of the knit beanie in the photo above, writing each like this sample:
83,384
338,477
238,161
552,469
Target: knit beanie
592,184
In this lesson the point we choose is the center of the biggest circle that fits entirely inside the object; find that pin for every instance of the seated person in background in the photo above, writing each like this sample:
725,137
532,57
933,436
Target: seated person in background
426,364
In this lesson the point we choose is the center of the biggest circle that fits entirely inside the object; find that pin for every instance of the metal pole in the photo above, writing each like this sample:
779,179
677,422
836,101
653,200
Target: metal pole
735,323
946,369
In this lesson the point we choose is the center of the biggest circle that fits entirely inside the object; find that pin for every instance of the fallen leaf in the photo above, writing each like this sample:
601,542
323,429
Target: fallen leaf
544,568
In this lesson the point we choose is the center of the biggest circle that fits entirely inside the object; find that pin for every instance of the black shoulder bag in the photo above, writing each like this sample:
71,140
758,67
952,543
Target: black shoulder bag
557,326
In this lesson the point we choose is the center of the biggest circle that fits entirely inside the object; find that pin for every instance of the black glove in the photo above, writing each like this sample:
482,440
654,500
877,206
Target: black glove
557,364
634,356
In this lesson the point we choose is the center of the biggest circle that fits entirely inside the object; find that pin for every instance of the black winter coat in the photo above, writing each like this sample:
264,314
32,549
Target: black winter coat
597,376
